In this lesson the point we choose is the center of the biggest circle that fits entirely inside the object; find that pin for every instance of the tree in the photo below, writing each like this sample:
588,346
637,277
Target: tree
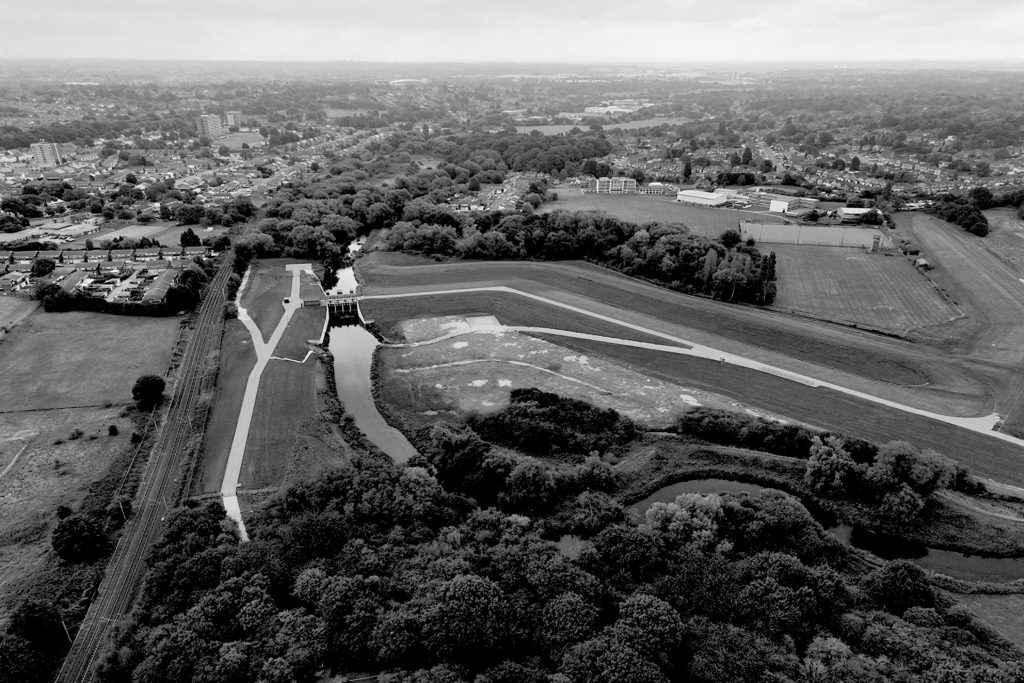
38,621
831,470
748,156
855,164
730,238
131,179
468,622
43,266
189,238
899,585
79,538
148,391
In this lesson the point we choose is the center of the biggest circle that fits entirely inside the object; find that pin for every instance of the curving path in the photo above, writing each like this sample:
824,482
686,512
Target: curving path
981,425
264,354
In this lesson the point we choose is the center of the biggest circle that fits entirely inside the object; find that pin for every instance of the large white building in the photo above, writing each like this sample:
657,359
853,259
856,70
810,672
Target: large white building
233,118
701,198
618,185
209,126
46,154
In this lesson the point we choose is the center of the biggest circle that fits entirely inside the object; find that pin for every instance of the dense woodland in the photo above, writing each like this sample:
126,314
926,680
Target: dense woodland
447,571
724,268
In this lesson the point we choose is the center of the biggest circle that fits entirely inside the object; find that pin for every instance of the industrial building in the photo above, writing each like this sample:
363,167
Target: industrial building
848,214
619,185
701,198
779,203
209,126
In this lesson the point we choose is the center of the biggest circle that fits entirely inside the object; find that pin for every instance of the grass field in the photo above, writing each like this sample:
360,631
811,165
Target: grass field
288,440
508,308
66,377
60,360
1002,613
851,286
237,359
701,320
12,310
234,141
306,324
1006,234
987,457
264,294
989,288
638,208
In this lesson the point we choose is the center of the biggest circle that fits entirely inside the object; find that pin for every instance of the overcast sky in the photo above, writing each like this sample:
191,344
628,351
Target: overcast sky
515,30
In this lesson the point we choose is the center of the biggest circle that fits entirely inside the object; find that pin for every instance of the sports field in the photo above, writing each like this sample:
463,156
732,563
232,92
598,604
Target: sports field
639,208
853,287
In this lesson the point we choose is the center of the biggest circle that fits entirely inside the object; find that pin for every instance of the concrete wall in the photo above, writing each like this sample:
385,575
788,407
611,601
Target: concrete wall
810,235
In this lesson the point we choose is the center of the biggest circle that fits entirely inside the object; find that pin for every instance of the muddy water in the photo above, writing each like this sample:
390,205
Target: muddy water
948,562
352,347
346,276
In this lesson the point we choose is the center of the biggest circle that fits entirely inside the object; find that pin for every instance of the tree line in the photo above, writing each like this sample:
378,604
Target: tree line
725,268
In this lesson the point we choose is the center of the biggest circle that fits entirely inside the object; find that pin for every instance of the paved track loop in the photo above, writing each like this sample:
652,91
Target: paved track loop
156,496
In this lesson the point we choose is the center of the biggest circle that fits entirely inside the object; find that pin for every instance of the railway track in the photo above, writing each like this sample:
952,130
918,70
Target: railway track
157,493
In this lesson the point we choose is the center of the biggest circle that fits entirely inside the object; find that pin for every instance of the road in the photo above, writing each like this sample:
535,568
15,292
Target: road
264,354
157,493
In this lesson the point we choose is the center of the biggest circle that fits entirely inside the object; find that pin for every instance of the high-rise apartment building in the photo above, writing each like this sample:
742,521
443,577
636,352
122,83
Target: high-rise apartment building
46,154
233,118
209,126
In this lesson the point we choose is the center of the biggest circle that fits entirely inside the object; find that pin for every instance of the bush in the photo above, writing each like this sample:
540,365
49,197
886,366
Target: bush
112,430
79,538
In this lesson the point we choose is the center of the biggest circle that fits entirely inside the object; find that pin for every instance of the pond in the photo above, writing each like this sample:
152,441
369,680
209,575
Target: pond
353,347
948,562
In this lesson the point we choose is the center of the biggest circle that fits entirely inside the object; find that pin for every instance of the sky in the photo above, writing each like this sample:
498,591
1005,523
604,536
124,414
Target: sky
573,31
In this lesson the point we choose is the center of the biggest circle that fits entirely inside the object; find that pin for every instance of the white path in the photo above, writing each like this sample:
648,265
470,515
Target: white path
982,425
264,354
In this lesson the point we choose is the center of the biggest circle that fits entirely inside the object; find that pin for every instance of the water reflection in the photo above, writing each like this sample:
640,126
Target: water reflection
352,347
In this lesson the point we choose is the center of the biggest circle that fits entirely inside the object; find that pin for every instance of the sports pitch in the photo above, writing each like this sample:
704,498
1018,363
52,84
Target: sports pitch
851,286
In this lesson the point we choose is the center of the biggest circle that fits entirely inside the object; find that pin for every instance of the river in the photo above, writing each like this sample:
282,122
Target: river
352,347
347,283
948,562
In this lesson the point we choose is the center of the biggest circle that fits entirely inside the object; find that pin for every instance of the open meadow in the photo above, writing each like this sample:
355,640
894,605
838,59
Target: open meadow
76,359
269,284
1003,613
14,309
851,286
472,372
640,208
67,378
